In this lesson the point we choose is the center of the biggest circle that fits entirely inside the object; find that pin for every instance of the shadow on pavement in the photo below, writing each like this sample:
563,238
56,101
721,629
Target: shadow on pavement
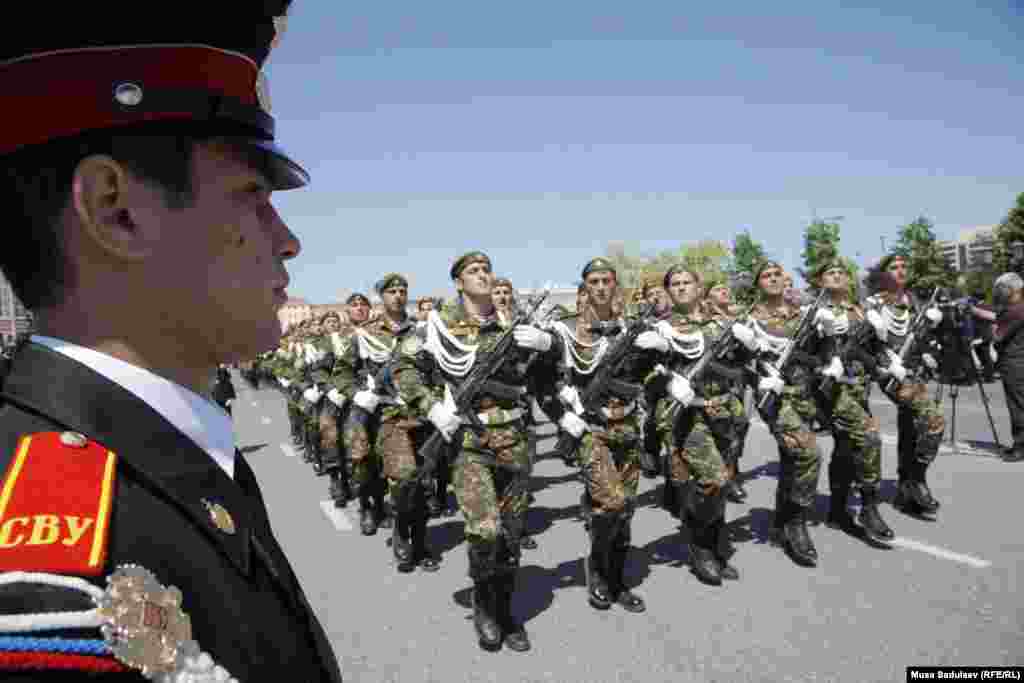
539,518
445,537
245,450
535,588
540,483
755,526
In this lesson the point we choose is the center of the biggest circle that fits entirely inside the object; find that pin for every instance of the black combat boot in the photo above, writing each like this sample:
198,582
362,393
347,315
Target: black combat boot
699,511
723,551
337,489
795,539
913,497
839,516
367,518
627,599
602,532
421,554
515,637
401,538
381,511
869,518
482,570
734,491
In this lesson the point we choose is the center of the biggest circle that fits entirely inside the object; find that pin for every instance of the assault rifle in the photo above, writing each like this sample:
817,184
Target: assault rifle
380,382
718,349
768,403
604,377
909,341
473,387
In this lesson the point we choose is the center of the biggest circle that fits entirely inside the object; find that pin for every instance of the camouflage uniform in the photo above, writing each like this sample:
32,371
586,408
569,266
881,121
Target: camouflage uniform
491,468
352,368
799,455
609,455
701,439
920,420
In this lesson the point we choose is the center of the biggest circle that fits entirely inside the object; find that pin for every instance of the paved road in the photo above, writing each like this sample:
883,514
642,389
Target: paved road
950,593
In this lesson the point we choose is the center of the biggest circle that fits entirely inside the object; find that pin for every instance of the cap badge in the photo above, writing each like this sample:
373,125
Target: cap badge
220,517
128,94
73,439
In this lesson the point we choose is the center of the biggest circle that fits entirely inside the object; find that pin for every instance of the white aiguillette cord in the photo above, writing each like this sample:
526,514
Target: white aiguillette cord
572,357
457,365
690,346
371,348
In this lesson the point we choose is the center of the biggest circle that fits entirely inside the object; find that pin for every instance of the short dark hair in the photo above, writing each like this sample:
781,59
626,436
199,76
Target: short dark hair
35,187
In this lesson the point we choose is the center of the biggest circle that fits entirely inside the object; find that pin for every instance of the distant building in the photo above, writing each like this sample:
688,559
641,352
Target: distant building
15,319
971,250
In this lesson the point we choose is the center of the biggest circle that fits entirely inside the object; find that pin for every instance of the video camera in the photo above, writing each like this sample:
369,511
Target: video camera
960,342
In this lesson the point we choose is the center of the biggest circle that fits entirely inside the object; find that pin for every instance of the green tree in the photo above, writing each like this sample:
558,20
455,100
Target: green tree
926,266
1009,232
821,244
629,264
747,254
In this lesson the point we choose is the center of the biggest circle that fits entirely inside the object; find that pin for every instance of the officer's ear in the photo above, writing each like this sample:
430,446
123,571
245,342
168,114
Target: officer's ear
111,204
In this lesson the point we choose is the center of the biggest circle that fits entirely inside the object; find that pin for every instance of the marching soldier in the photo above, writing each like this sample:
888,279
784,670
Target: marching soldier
492,466
857,455
609,450
131,153
223,392
774,321
697,423
327,412
921,423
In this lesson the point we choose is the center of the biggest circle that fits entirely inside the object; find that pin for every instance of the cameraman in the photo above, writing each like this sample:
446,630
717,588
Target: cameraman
1008,297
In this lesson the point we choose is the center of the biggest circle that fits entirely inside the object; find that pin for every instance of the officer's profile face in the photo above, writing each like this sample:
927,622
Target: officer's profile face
476,280
214,268
600,287
772,281
683,288
395,298
898,268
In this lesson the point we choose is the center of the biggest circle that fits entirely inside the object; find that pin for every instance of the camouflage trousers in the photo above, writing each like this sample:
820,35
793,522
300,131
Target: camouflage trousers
856,434
921,424
398,441
329,435
358,437
799,455
490,479
610,460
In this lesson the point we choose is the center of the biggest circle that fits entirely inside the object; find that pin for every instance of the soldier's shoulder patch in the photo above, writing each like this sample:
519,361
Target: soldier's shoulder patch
55,503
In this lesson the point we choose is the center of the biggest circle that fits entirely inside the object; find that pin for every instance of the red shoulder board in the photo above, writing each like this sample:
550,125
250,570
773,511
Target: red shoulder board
55,505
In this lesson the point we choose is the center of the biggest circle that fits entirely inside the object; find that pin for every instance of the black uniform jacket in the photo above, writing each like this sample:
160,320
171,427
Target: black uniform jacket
245,603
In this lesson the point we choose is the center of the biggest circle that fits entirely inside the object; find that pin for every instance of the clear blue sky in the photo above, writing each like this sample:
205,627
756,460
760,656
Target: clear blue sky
541,131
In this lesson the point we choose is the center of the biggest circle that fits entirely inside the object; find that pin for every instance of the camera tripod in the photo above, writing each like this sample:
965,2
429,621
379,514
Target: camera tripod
962,351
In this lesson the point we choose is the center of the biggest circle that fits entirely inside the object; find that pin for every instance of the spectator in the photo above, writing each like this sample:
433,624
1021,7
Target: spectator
1008,296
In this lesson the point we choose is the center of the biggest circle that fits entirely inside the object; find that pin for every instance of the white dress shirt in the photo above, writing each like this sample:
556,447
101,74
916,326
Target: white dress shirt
198,418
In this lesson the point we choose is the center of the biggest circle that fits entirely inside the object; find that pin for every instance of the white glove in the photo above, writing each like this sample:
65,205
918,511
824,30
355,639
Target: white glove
875,319
572,423
571,399
680,389
336,397
825,321
834,369
312,394
934,315
930,361
651,340
745,335
445,419
227,403
772,383
530,337
992,353
284,383
895,369
367,400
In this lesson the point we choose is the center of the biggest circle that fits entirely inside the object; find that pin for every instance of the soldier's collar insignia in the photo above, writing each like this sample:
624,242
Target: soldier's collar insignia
220,517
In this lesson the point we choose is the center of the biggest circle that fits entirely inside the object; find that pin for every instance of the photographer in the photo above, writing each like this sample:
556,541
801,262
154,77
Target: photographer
1008,296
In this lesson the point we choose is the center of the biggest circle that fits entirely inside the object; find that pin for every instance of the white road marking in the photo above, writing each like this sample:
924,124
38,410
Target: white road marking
337,516
265,420
254,404
288,450
911,544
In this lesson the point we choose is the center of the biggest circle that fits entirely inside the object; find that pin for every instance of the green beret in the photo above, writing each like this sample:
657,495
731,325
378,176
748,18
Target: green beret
466,259
352,298
828,265
503,282
887,261
765,265
596,265
391,280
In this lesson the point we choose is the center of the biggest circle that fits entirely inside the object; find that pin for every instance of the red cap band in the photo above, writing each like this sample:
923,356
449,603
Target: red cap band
60,94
